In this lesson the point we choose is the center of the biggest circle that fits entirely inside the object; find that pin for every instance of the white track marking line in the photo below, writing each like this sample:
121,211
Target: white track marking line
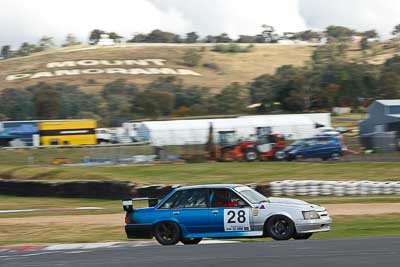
90,246
208,242
82,246
63,247
77,251
17,211
51,210
26,255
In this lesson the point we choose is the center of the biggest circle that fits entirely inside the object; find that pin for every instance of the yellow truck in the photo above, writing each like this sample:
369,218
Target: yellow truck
67,132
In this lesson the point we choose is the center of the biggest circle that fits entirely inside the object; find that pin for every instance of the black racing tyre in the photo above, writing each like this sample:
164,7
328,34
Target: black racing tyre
299,157
300,236
280,227
335,156
191,241
167,233
251,155
279,155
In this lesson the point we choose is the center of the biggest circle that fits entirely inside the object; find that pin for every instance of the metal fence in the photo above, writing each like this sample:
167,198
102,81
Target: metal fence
94,155
382,147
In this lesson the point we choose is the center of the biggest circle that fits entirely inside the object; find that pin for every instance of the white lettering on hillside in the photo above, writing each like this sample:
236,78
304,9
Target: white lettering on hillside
116,71
187,72
133,71
41,75
66,72
18,76
61,64
92,62
91,70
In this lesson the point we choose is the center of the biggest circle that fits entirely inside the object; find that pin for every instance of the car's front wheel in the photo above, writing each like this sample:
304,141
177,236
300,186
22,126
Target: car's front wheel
191,241
300,236
167,233
280,227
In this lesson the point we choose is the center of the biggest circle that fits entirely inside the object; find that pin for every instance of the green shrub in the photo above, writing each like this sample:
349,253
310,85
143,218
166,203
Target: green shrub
192,58
232,48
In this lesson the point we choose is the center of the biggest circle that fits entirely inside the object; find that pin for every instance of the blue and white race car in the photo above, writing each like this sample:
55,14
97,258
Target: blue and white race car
191,213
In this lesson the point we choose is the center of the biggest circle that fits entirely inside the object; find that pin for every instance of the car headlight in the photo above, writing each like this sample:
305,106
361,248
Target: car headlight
310,215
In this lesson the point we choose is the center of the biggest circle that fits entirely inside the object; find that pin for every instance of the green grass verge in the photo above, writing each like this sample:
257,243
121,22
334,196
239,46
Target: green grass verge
15,203
363,226
205,173
114,206
343,227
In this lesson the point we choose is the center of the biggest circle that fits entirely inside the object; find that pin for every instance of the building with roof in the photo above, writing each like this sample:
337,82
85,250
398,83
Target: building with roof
383,116
381,131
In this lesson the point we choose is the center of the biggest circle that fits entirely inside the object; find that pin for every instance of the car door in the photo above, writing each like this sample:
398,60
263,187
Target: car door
326,147
190,208
312,149
226,215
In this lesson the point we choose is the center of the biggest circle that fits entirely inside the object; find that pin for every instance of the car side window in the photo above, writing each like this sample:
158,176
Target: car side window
324,141
224,198
192,198
312,142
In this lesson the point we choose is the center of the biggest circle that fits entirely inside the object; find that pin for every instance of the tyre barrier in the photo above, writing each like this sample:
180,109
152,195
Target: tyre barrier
335,188
121,190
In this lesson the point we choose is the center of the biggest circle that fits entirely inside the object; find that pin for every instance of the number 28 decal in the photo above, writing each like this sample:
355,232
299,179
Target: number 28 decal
241,218
236,220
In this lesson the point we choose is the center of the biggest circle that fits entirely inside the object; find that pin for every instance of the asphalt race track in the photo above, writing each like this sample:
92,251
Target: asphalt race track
336,252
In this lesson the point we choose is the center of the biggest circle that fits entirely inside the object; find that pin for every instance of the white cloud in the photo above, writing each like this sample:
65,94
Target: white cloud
356,14
28,20
236,16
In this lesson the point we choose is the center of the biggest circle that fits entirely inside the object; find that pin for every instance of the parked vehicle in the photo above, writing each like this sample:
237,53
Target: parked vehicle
191,213
324,147
328,131
103,135
262,147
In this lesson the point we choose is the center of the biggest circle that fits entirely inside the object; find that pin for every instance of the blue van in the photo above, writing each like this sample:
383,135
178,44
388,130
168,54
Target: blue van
324,147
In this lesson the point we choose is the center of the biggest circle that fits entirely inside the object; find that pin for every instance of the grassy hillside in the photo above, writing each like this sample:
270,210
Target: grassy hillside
229,67
237,67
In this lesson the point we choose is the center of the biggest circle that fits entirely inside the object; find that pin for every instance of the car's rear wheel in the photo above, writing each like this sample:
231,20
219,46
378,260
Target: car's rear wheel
191,241
280,228
299,157
167,233
335,156
300,236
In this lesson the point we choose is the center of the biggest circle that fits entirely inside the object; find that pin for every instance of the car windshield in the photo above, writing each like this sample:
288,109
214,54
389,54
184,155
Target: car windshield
251,195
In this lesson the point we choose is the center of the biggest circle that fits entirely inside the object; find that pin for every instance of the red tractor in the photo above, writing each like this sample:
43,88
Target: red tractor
266,146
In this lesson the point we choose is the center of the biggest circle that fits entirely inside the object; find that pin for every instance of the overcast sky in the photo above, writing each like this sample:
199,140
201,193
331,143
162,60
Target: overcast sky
28,20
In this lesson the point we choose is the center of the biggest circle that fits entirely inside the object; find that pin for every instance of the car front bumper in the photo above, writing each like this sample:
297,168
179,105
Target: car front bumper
314,226
139,230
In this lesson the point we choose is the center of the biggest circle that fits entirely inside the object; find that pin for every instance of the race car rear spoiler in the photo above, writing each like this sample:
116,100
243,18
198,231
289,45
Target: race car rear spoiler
128,206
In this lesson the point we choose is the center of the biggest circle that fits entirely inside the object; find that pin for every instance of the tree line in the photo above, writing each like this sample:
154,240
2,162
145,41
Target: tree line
328,80
267,35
